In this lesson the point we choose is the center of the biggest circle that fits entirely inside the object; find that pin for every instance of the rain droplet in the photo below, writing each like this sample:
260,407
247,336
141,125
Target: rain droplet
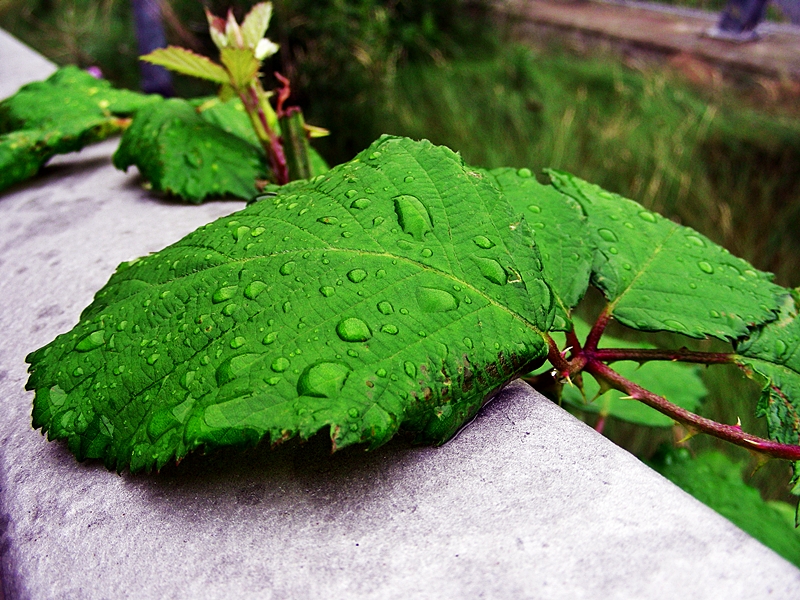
122,325
413,217
328,220
435,300
287,306
91,341
353,329
534,209
714,314
380,274
492,270
257,231
273,380
607,235
613,250
351,193
390,329
360,203
468,343
238,342
270,337
287,268
646,215
357,275
427,252
280,364
780,348
403,311
675,325
385,307
240,232
253,289
381,372
524,173
410,369
322,379
696,240
408,178
151,360
705,267
353,412
482,241
228,310
375,155
77,372
693,285
224,293
327,291
377,221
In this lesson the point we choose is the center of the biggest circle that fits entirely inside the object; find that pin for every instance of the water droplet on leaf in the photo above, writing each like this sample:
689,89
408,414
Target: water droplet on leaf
353,330
410,369
322,379
492,270
482,241
385,307
224,293
327,291
435,300
253,289
238,342
414,218
360,203
280,364
390,329
646,215
91,341
357,275
705,267
607,235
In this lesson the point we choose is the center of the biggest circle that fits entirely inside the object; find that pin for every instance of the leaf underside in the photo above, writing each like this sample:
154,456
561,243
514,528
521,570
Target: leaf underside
680,383
359,301
661,276
182,154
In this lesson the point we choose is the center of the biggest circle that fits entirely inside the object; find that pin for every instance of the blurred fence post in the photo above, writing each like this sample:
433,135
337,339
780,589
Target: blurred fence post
149,36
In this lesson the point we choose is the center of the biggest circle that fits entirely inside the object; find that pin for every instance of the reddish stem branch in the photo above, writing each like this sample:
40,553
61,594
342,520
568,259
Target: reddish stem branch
597,330
646,354
730,433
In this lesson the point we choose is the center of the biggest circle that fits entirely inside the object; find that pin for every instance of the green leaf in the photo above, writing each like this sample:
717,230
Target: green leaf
180,153
63,114
67,104
241,64
355,302
771,356
561,234
715,480
660,276
680,383
230,116
255,23
186,62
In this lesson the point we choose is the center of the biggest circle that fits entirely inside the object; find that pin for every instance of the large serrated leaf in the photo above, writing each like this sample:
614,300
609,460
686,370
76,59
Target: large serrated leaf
772,357
561,234
661,276
180,153
679,383
186,62
358,301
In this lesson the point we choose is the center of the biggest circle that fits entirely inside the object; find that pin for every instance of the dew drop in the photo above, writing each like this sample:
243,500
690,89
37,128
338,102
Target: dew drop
492,270
375,155
77,372
257,231
403,311
613,250
228,310
780,348
377,221
360,203
525,173
385,307
287,268
390,329
534,209
327,291
607,235
328,220
238,342
224,293
693,285
435,300
646,215
273,380
351,193
427,252
705,267
91,341
675,325
353,329
627,266
380,274
241,232
280,364
714,314
322,379
270,337
253,289
357,275
122,325
697,241
153,358
482,241
468,343
414,218
353,412
381,372
287,306
410,369
408,178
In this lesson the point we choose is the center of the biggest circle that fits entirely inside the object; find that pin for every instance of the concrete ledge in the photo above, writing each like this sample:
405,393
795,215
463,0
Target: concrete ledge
526,503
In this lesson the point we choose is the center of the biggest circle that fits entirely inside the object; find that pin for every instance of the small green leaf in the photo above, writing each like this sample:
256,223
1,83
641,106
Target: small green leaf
771,356
660,276
241,64
186,62
255,24
307,310
561,234
181,154
679,383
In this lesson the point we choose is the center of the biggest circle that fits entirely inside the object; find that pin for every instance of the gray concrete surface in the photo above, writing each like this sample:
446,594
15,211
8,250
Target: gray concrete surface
526,503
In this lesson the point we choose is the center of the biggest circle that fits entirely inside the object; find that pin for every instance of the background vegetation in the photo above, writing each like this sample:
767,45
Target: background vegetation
718,158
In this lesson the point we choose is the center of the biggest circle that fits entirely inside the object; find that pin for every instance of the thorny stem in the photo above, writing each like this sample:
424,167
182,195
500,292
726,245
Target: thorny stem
268,138
646,354
730,433
597,330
